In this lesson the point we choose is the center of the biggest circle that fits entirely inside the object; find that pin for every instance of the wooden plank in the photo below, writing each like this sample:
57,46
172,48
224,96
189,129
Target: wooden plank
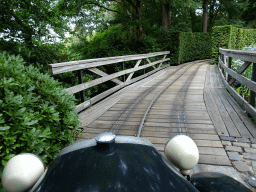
232,130
150,62
232,113
169,133
162,59
202,126
199,143
122,106
214,114
164,140
131,74
251,110
212,151
221,85
240,71
213,78
239,54
178,130
208,143
174,125
89,63
215,73
247,82
103,74
207,78
245,119
160,120
92,83
214,160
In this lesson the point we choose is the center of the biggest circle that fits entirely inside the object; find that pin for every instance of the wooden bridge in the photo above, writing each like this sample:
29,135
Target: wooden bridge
188,99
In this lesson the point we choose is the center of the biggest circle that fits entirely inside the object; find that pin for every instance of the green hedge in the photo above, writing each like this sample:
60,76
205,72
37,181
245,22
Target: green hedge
36,115
230,37
187,46
194,46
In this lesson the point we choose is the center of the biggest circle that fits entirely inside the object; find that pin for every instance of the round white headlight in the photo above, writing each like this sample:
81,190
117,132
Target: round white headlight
182,151
21,172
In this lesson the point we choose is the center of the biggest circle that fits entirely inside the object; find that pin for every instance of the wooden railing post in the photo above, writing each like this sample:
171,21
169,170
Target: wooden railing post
252,93
229,66
80,80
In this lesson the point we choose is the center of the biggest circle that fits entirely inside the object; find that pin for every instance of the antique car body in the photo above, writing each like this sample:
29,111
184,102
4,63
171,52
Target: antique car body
112,163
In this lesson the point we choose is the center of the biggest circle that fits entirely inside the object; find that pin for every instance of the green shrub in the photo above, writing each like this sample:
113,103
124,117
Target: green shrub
188,46
36,116
230,37
194,46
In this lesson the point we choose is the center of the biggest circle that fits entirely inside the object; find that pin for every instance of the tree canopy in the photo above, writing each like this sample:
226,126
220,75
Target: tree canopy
26,25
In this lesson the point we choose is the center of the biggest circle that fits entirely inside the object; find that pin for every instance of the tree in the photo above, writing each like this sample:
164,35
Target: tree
205,15
224,12
25,23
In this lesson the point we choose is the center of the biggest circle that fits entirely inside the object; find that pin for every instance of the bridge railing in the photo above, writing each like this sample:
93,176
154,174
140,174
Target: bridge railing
229,76
92,64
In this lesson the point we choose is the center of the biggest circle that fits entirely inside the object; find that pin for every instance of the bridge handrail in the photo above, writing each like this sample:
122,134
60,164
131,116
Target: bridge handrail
248,57
91,64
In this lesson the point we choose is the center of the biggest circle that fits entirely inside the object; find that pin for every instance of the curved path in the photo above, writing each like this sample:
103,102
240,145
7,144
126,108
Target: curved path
195,104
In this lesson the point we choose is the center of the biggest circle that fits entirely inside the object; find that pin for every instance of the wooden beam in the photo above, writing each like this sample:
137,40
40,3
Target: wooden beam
240,71
87,85
131,74
150,62
102,74
162,59
89,63
247,82
240,54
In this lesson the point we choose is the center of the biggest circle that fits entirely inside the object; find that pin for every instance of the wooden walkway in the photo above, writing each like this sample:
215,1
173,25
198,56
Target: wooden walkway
196,104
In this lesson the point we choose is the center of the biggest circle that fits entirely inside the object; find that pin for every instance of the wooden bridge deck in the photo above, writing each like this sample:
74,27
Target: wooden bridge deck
196,104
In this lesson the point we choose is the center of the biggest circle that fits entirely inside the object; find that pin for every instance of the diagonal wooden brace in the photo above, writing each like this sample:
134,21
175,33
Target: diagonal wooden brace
131,74
150,62
102,74
240,71
162,59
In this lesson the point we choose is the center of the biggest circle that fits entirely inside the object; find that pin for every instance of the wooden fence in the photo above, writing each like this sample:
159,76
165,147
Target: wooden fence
229,76
92,64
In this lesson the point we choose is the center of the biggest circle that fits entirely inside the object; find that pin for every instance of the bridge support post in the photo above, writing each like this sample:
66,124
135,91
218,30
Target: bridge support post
229,66
80,80
252,94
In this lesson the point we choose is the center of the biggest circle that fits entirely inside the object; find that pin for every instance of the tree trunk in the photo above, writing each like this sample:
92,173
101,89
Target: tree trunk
140,19
169,16
164,15
205,15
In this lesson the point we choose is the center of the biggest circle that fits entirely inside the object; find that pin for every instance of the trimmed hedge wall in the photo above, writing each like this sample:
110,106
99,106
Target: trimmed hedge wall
230,37
187,46
194,46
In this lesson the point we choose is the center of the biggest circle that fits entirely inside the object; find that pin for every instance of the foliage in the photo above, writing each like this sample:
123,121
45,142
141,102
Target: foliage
236,64
36,116
230,37
26,26
187,46
194,46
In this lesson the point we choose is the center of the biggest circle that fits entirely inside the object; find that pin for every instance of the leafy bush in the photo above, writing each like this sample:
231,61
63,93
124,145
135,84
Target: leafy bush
236,64
188,46
36,116
194,46
230,37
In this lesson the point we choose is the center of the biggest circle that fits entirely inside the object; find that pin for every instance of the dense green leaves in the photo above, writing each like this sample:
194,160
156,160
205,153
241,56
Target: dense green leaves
36,116
230,37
